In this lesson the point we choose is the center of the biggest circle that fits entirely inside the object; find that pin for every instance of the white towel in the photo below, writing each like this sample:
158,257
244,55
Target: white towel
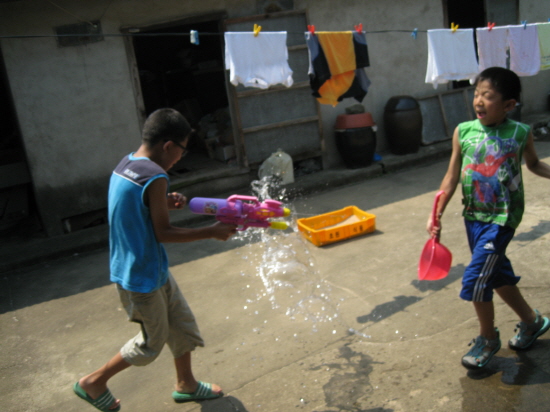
451,56
492,47
524,49
259,61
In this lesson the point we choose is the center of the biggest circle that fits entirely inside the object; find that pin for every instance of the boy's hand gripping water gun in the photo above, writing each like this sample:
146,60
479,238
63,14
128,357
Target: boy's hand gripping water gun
242,211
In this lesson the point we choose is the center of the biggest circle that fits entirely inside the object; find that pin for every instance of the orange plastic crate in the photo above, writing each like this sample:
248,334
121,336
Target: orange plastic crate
336,226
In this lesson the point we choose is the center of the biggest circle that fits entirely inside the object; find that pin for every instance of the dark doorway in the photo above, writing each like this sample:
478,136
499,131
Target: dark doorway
468,14
191,79
18,213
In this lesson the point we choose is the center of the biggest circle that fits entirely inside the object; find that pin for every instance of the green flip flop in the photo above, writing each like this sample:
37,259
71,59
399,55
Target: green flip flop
102,402
203,392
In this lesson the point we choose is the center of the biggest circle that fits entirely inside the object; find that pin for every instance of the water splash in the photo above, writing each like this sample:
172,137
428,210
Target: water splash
287,269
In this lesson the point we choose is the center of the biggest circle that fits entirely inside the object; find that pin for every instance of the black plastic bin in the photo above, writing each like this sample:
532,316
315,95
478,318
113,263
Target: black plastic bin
355,139
403,124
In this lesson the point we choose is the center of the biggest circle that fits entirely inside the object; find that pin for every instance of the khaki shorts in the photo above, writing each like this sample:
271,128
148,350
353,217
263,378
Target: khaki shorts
165,317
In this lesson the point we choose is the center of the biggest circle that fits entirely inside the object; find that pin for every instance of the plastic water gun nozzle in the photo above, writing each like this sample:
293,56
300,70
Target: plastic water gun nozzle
242,211
278,225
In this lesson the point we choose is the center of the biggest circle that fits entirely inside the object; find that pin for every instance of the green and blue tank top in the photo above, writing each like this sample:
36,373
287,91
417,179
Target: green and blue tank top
492,185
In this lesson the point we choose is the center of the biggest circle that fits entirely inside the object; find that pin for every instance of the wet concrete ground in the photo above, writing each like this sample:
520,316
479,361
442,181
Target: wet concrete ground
292,327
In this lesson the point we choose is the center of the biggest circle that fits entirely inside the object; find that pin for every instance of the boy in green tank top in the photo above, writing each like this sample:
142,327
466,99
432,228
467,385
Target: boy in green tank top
486,159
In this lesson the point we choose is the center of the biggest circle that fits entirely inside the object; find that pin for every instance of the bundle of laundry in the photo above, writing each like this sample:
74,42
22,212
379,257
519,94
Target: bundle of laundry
451,56
257,61
336,65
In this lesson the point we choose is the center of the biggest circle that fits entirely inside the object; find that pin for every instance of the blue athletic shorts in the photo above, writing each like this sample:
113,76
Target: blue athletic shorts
489,268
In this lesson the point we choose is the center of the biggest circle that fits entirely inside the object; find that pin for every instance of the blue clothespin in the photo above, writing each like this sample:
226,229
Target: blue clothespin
524,22
194,37
414,33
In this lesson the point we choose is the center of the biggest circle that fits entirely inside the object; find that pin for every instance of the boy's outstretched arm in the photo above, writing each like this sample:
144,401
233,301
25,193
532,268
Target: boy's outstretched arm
166,233
532,160
448,185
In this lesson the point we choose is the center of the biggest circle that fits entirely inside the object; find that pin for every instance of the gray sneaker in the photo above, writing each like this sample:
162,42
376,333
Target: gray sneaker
482,352
529,333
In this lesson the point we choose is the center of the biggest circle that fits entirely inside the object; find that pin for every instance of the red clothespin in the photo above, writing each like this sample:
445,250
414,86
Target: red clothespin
359,28
311,29
490,25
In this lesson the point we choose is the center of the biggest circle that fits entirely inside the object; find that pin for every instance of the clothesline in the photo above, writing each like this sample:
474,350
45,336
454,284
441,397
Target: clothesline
337,58
130,34
195,33
262,60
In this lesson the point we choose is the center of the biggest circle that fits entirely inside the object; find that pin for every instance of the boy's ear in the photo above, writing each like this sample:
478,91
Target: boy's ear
510,105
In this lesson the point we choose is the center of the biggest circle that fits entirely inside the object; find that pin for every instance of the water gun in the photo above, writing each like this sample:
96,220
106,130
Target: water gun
243,211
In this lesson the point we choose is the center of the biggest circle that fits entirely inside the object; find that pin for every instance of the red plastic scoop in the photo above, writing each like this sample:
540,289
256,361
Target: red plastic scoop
435,261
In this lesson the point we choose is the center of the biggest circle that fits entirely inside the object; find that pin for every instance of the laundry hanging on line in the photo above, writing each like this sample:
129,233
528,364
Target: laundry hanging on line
336,63
528,46
492,47
257,60
544,41
451,56
524,49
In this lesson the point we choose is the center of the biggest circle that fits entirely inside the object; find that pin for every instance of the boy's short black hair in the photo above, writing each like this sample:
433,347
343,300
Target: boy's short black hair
505,81
165,124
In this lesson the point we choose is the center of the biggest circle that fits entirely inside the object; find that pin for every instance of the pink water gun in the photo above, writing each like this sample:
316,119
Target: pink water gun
243,211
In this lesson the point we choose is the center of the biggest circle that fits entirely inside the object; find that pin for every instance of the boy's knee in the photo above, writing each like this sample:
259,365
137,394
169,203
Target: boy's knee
139,352
139,356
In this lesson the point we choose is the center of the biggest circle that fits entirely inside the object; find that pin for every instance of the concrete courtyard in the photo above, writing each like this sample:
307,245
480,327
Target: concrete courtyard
292,327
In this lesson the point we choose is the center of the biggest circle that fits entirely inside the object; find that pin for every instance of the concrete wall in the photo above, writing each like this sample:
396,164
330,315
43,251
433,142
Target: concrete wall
77,107
398,63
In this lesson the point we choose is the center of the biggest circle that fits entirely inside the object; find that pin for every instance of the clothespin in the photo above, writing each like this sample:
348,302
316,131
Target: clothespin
359,28
490,25
311,29
257,30
524,22
454,27
194,37
414,33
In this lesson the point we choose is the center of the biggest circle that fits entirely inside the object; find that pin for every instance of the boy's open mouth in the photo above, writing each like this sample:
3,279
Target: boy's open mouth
481,115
